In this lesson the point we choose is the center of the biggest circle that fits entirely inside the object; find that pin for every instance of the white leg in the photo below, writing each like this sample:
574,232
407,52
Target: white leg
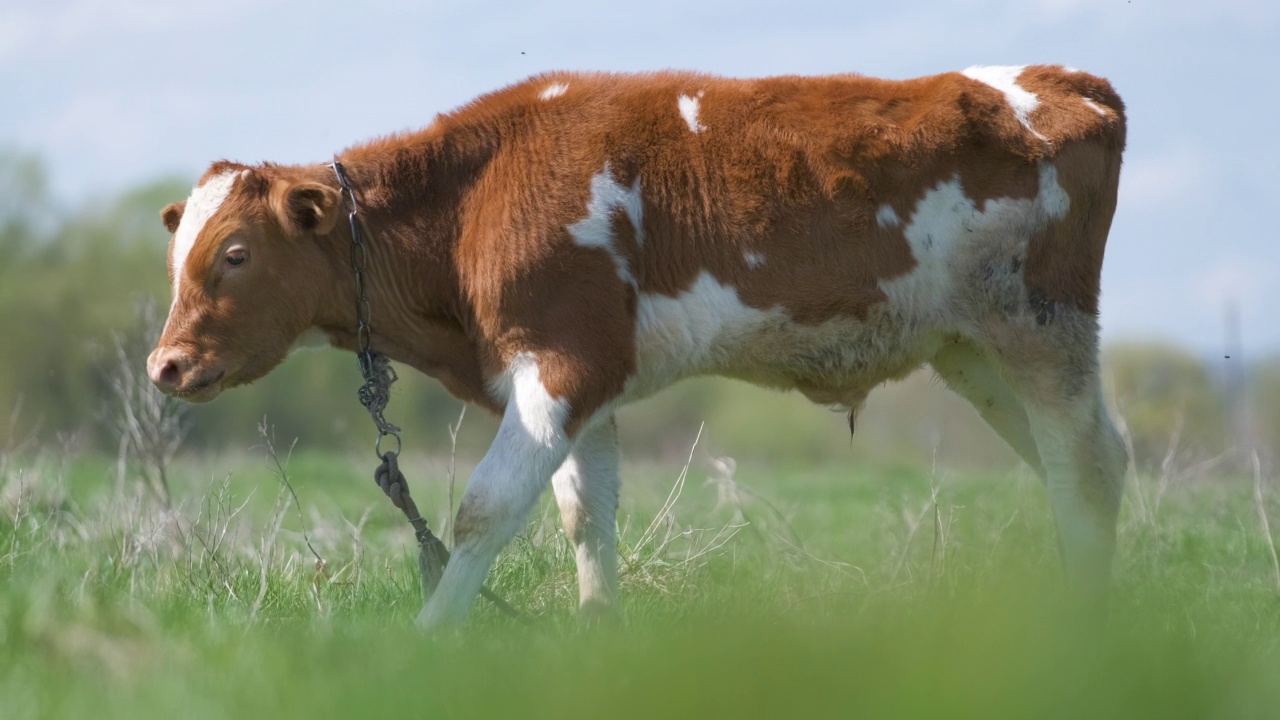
530,445
586,488
971,374
1085,461
1052,366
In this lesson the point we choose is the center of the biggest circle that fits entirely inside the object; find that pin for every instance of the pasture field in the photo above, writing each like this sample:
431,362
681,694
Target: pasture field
790,592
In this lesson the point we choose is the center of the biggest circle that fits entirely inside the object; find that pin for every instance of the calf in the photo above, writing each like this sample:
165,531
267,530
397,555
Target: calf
577,241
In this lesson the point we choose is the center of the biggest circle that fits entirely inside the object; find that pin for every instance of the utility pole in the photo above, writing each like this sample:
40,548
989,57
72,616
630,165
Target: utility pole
1239,410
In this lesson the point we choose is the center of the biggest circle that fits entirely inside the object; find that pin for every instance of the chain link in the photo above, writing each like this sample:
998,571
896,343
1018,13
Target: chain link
375,367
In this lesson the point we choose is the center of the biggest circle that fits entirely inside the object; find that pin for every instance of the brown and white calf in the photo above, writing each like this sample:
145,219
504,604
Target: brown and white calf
578,241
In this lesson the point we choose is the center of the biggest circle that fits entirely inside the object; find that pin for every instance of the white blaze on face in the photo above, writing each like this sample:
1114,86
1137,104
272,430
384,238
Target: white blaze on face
201,206
554,90
1005,79
689,111
595,229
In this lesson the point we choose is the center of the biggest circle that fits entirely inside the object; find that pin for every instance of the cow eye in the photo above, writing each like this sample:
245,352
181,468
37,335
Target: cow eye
236,256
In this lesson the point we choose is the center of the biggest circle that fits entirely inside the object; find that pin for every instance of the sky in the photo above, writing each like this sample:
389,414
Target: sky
119,93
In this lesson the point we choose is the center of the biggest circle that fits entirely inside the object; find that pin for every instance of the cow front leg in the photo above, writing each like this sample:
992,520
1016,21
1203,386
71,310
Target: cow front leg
531,443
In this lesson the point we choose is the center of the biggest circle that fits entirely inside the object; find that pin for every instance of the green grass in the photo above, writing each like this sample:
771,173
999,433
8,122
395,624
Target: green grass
788,592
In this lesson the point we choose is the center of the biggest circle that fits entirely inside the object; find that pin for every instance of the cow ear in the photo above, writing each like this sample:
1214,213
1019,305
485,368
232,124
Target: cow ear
172,215
308,207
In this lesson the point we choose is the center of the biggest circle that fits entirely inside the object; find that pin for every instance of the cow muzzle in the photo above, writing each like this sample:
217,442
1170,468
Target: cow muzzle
174,373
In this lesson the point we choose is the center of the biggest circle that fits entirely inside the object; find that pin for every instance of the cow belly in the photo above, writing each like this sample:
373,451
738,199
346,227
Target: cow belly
708,330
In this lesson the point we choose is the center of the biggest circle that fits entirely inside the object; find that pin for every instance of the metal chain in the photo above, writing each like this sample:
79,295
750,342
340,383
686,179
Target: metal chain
375,393
375,367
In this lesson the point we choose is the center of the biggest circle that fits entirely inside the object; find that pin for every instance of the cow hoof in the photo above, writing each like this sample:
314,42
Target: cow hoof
599,613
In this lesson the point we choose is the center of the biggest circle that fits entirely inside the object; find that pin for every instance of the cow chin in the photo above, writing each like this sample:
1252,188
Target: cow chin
203,390
201,395
250,371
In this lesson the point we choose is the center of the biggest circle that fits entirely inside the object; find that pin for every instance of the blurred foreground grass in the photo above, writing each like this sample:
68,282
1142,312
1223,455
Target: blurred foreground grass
788,592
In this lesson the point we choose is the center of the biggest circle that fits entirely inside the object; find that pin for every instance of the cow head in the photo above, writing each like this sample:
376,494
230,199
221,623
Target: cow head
249,276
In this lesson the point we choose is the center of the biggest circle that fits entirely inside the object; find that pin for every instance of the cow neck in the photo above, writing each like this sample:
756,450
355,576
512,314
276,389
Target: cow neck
393,301
374,366
416,311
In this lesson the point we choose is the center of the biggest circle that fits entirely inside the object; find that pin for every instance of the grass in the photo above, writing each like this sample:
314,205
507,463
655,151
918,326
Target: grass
785,592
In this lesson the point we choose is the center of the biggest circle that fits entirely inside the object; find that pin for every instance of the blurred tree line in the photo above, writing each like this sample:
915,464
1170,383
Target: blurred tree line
72,280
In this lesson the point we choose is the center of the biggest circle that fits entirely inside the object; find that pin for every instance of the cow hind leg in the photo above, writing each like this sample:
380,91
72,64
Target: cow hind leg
971,373
586,489
1053,367
1085,461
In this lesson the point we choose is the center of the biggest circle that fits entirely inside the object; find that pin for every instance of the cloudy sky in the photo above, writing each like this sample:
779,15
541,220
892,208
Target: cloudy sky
120,92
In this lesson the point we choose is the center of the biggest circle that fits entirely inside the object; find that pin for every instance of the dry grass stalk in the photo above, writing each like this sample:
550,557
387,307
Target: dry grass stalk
1168,471
913,526
281,472
352,572
287,493
1133,479
14,446
995,545
447,534
211,530
148,422
267,549
1262,518
665,515
653,560
731,493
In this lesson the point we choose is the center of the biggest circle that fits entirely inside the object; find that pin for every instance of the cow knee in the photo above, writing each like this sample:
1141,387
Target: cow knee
475,520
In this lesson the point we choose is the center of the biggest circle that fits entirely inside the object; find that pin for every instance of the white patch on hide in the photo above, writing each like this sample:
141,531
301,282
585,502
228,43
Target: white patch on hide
1095,106
700,330
753,259
541,415
595,229
689,111
1052,198
887,217
554,90
947,222
1005,79
709,330
311,339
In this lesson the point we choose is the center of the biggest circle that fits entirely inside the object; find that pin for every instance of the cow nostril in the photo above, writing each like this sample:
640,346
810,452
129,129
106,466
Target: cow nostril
169,374
165,370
